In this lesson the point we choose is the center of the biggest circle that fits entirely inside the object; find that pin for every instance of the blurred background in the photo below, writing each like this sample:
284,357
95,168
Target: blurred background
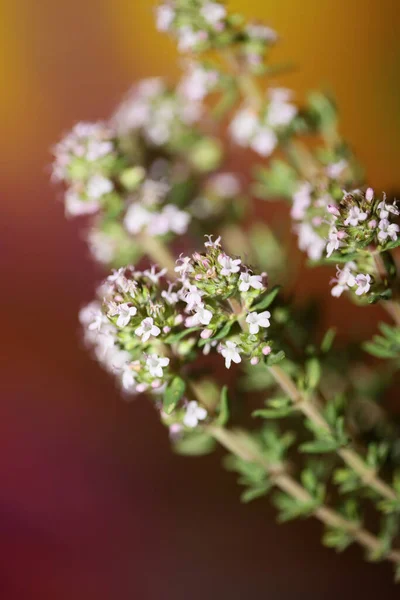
93,505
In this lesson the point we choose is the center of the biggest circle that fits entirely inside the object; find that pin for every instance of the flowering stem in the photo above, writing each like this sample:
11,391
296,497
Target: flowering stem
242,445
311,410
158,252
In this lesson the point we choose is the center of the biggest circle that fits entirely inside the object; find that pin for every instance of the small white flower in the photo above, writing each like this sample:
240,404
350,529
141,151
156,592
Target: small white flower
128,377
301,201
210,244
387,229
264,142
369,195
76,206
244,126
136,218
231,352
125,313
153,275
364,284
262,32
178,220
257,320
225,185
165,16
355,216
98,186
202,316
183,266
147,329
228,264
169,295
213,13
335,239
189,39
155,365
198,83
193,297
344,280
386,209
280,111
247,281
336,169
310,241
97,149
194,414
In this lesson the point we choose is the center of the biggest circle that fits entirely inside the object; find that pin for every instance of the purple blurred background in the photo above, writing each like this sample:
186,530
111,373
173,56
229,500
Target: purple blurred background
93,503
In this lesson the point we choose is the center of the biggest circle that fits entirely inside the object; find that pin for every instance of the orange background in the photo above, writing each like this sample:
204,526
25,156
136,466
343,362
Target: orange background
92,502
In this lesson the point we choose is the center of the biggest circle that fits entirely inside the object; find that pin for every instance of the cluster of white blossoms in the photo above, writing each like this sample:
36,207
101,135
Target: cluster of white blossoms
124,173
148,212
361,218
84,159
197,82
156,112
192,22
144,328
307,211
260,130
200,25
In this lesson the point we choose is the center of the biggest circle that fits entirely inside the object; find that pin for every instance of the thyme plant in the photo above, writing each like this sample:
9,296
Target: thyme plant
152,182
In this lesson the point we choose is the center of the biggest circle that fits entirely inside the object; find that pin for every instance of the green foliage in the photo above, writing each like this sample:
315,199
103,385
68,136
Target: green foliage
173,394
223,415
277,181
276,408
251,476
274,358
195,443
336,538
386,345
327,341
267,299
313,373
290,508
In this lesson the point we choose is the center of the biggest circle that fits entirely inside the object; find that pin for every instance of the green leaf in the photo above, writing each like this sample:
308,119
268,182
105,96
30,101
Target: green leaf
272,413
195,443
392,245
319,446
313,372
337,538
173,394
328,340
339,258
222,333
176,337
255,492
267,300
379,350
274,359
279,180
223,416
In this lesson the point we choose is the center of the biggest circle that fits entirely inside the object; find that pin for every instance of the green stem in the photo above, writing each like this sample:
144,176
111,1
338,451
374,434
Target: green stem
312,411
158,252
243,446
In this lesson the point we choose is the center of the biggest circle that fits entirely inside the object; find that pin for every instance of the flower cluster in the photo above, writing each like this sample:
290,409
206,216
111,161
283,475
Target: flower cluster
144,328
310,202
199,25
361,220
260,131
142,171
